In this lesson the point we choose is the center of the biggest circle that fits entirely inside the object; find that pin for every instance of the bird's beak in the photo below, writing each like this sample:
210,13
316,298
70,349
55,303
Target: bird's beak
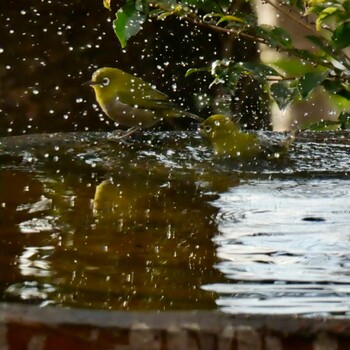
90,83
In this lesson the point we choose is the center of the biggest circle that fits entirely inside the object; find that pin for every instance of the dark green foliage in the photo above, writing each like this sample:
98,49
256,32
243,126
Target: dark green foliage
341,36
329,64
129,20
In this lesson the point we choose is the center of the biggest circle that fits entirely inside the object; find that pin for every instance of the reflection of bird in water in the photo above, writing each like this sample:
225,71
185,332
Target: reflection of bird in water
228,140
106,197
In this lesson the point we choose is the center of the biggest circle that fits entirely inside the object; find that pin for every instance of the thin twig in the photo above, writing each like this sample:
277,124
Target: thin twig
193,18
279,78
230,31
281,7
292,16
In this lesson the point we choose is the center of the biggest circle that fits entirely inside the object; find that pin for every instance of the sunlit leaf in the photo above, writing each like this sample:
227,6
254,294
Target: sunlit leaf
293,66
325,14
310,57
196,70
315,2
343,123
165,4
209,16
324,125
341,36
230,19
176,10
282,94
129,20
310,81
107,4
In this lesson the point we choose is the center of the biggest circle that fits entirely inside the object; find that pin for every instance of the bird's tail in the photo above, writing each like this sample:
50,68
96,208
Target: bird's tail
178,113
193,116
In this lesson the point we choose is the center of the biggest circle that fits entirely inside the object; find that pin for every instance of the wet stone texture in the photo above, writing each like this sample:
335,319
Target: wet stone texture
27,327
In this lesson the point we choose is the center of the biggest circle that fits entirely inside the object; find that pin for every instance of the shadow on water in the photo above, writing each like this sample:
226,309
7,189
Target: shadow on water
161,223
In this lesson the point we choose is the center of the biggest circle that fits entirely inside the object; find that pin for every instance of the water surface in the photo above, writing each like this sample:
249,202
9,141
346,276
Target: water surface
163,224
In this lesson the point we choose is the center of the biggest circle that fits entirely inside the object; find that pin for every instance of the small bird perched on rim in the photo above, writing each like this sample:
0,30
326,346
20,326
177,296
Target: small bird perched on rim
132,102
229,140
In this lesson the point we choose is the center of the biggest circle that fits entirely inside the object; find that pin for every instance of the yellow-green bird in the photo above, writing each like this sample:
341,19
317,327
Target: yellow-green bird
132,102
229,140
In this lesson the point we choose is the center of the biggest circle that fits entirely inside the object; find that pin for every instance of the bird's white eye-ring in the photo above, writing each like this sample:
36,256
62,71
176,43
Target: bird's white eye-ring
105,81
207,128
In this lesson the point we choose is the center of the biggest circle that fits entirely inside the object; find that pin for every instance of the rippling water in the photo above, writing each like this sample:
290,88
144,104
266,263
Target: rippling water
285,247
161,223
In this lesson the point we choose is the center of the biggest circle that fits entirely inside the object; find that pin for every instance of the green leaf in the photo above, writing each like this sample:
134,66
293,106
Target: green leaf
300,4
341,36
196,70
346,6
312,9
275,36
205,6
321,43
325,14
344,119
332,86
230,19
282,94
129,20
293,66
335,87
176,10
310,81
324,125
310,57
258,70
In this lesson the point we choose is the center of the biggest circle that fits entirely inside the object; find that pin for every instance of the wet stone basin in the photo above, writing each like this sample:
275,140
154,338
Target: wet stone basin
28,327
162,224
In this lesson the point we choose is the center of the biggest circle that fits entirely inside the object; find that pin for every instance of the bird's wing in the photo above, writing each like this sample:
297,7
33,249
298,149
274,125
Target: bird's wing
138,92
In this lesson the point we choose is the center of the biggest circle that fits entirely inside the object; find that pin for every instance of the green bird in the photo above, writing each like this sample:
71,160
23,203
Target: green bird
229,140
132,102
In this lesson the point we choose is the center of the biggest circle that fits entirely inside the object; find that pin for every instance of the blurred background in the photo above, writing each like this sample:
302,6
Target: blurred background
49,48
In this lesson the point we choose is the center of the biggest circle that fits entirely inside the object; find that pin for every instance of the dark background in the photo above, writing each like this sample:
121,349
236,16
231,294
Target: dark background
49,48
